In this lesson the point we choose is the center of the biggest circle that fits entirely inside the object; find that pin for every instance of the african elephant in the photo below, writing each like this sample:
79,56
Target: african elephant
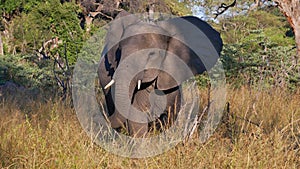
141,68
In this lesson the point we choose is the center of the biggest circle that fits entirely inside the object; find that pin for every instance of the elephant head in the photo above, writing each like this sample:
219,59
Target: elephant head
144,64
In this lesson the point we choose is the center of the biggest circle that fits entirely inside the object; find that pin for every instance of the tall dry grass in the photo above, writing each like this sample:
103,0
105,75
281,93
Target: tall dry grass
260,129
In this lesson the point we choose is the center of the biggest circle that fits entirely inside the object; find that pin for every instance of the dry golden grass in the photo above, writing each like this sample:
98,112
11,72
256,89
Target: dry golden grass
261,130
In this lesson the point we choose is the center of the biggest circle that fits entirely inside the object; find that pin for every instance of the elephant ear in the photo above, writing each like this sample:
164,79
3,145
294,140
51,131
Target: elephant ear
111,53
194,47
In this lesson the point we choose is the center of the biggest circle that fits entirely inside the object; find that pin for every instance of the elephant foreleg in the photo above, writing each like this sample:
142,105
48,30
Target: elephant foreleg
137,129
116,120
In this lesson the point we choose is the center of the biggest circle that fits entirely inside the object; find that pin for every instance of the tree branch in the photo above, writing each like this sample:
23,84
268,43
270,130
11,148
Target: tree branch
223,7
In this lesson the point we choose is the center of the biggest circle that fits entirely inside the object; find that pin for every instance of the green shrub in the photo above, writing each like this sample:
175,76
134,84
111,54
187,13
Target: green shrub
27,71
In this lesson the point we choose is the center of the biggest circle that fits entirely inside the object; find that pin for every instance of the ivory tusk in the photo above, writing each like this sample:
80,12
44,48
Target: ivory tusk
109,84
139,84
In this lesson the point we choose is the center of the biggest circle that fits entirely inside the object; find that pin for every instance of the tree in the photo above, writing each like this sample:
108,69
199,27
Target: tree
257,50
32,30
108,9
291,9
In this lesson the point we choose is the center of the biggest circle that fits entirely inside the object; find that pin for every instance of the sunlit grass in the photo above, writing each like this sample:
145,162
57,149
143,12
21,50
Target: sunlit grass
260,130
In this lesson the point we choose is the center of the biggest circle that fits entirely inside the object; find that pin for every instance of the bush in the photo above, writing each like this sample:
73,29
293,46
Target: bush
275,66
27,71
45,21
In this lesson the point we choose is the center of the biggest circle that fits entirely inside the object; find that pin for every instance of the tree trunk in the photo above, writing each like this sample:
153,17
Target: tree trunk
297,37
291,9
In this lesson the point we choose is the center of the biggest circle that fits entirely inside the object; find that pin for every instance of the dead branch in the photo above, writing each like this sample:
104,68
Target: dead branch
52,43
199,117
94,14
223,7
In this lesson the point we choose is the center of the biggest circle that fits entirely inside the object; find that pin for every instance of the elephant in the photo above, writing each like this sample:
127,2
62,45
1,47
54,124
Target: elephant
138,71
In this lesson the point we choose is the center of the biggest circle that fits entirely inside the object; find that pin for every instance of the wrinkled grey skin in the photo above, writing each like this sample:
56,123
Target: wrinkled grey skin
156,83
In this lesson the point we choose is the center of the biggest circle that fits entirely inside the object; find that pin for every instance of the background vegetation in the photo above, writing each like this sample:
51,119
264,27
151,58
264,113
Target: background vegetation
39,44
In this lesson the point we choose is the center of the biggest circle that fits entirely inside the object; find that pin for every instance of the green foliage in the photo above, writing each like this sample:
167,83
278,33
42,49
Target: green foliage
244,28
16,6
9,6
87,63
45,22
179,8
272,67
27,71
258,52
